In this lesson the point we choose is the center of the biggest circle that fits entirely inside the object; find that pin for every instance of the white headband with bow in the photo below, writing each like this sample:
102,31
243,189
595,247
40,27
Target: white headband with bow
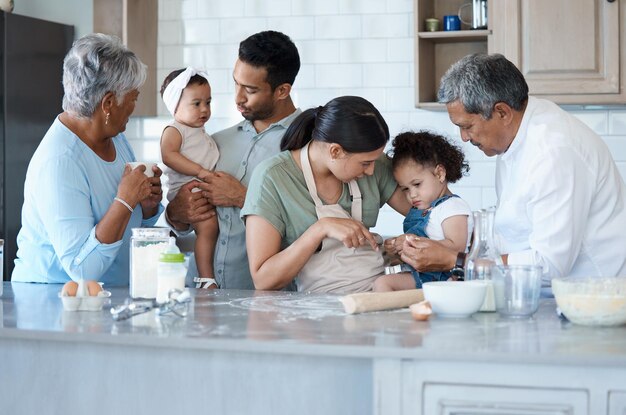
174,89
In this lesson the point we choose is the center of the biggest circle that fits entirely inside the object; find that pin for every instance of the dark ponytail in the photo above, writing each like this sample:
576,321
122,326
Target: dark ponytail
352,122
299,132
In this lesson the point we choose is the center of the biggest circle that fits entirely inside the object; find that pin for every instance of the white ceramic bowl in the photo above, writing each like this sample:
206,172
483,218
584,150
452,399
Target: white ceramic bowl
455,298
592,301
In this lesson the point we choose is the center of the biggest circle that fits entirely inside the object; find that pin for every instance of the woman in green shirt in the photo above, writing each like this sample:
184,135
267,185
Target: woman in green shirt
309,208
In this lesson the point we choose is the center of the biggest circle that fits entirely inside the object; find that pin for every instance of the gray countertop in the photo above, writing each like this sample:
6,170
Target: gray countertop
313,324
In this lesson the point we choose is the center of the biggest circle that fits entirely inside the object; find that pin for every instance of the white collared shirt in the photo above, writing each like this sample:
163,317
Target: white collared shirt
561,199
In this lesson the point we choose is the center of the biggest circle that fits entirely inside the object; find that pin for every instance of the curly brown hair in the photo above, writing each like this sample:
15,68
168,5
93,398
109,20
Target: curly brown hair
427,148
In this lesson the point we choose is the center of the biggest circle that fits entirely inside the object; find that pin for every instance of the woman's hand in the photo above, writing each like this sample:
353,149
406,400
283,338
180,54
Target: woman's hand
350,232
134,186
150,205
427,255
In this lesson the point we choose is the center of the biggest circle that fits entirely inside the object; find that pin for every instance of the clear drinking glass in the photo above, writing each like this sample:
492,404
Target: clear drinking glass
517,289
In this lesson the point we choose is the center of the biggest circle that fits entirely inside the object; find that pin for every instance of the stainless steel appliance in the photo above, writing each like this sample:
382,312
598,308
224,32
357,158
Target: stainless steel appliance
31,67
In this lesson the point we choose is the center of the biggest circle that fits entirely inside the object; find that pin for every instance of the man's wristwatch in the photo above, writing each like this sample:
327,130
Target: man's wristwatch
459,266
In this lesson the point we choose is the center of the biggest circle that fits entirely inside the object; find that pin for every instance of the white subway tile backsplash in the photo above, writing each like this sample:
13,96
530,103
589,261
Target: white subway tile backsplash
338,27
236,30
472,195
400,99
172,56
386,74
480,173
338,76
400,6
268,8
374,95
221,56
201,31
170,32
401,50
617,146
363,50
170,10
397,122
146,150
361,6
309,98
617,122
189,9
313,8
489,196
596,120
306,77
296,27
220,9
386,26
193,56
318,51
389,223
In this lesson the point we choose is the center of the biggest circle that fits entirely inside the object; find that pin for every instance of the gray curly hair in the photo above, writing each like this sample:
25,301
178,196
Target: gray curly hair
95,65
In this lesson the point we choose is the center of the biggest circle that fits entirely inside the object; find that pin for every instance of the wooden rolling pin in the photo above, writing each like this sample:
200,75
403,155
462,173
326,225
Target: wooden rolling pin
363,302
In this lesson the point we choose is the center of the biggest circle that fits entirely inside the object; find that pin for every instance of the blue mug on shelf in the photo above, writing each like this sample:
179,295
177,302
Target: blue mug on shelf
451,22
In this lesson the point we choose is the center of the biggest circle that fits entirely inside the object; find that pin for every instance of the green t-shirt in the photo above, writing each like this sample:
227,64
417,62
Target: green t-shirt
277,192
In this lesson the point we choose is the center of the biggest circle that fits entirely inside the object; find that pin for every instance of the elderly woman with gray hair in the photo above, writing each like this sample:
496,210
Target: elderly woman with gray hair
81,199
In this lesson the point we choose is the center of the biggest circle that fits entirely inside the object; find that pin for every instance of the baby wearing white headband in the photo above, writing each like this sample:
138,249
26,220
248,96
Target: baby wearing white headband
189,153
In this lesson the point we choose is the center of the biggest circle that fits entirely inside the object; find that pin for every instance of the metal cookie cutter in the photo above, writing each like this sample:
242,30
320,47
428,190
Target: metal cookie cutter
396,269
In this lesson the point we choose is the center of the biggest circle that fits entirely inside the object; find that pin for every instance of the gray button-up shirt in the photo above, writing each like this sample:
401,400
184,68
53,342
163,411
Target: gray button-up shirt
241,150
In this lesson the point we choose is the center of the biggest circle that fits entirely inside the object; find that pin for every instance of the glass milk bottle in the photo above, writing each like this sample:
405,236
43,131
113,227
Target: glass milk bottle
146,244
483,255
171,271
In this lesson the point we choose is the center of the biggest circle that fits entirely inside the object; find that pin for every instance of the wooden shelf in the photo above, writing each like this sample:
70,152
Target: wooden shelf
455,36
435,52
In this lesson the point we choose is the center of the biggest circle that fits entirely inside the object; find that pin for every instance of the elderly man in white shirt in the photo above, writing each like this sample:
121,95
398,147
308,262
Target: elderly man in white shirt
561,200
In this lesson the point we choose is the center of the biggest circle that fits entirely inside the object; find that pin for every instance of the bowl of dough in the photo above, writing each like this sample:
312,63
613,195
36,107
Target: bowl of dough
592,301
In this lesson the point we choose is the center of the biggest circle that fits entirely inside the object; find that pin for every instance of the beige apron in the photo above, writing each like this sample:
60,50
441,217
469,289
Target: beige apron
336,268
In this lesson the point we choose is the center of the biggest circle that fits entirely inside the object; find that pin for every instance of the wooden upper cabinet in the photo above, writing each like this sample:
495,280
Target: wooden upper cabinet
568,50
135,22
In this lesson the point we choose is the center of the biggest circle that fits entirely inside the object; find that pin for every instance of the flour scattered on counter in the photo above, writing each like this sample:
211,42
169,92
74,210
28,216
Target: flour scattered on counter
291,307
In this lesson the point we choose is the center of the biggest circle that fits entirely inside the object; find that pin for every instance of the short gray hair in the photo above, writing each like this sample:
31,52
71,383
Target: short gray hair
480,81
95,65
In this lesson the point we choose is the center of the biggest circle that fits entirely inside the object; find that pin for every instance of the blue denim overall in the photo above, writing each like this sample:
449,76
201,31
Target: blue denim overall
415,223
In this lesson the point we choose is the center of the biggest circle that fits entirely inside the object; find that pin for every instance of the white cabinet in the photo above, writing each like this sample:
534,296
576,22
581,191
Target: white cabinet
617,403
446,399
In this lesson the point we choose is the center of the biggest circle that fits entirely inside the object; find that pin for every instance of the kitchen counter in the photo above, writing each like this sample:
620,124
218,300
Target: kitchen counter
277,352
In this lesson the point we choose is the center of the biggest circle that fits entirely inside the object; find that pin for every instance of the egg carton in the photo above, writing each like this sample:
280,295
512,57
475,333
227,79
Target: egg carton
83,301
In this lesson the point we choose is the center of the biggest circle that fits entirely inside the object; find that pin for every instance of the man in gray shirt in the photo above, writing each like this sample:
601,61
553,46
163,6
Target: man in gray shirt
264,73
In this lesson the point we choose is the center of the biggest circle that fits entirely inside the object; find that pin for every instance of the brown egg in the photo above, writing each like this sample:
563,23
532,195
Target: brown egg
421,311
93,287
70,289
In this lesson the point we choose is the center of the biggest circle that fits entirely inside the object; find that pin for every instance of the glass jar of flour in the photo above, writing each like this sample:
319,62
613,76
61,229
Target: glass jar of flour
146,245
